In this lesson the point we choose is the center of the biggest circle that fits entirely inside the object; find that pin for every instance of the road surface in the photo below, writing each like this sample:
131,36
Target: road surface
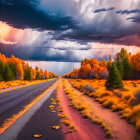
11,102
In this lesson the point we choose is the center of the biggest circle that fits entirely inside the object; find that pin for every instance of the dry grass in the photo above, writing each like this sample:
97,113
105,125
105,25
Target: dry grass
86,110
126,101
64,117
71,126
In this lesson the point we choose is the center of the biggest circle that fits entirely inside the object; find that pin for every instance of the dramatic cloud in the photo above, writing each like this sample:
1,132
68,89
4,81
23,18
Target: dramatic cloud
135,19
27,14
67,30
128,11
10,35
103,10
7,42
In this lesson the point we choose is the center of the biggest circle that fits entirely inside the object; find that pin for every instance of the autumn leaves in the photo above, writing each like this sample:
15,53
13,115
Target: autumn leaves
17,69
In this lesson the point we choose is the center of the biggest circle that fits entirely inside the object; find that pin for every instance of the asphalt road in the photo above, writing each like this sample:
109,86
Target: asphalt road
11,102
41,123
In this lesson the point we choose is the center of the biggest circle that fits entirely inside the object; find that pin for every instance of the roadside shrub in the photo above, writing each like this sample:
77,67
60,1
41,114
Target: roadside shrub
135,114
89,88
91,94
127,96
126,112
117,93
109,102
118,106
106,93
101,100
137,98
138,125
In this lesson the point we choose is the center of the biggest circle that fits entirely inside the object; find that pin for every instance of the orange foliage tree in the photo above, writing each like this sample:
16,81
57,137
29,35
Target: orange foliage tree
90,68
18,67
93,68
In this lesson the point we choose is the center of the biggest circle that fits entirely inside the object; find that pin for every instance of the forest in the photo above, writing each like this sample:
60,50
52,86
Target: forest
17,69
126,65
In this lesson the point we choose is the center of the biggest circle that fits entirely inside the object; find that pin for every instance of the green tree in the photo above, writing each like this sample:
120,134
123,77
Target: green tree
8,73
2,67
13,67
127,70
109,62
114,79
37,75
120,67
121,55
1,79
27,74
50,76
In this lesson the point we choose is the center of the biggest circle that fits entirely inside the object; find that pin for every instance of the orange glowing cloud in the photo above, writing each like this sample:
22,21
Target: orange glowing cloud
4,30
6,34
10,35
7,42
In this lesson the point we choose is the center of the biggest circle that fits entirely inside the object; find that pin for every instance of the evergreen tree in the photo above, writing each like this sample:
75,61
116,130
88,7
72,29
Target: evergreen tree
1,79
13,67
50,76
109,65
27,74
1,68
121,55
127,70
120,68
109,62
114,79
37,75
8,74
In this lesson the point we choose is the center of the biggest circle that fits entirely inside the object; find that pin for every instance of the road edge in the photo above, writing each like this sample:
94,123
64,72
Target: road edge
12,131
22,86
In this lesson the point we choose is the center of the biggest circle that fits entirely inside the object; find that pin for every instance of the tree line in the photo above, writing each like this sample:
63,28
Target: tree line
124,66
90,68
17,69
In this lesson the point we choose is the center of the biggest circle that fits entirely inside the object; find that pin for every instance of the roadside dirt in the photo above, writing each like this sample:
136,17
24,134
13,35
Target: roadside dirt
120,128
85,129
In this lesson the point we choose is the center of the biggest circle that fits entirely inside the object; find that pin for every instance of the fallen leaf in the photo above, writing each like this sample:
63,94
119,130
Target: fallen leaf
56,127
52,111
37,135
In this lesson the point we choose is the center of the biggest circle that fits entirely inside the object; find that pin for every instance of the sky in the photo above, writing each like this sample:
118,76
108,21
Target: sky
60,33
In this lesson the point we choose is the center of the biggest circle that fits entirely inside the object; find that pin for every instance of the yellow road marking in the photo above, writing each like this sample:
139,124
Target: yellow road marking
13,119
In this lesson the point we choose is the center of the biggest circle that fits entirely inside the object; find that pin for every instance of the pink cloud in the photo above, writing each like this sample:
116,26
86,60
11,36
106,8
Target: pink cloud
11,35
7,42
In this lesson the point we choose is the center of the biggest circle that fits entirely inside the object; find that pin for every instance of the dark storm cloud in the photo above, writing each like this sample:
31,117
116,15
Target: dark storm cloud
128,11
77,23
103,10
135,19
61,48
103,28
129,38
75,48
67,56
25,14
38,53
